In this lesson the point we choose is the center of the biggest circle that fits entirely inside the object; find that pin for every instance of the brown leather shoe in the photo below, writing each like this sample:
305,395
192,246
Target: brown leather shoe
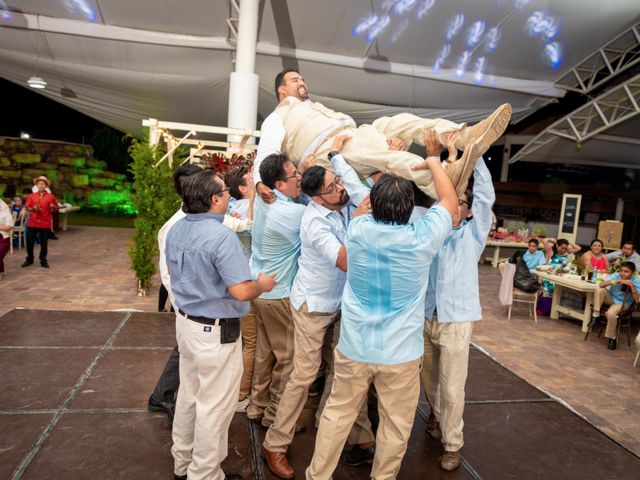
450,461
433,427
487,131
278,463
461,170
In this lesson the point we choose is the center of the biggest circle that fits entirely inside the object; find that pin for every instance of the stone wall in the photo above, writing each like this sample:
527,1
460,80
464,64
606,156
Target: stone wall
76,176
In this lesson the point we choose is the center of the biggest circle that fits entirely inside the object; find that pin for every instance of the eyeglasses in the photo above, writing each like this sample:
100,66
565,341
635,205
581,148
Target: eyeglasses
295,175
226,189
463,202
333,186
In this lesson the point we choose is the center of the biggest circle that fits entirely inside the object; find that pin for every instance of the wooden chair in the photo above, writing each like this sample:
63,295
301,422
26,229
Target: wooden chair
522,297
624,320
19,230
635,362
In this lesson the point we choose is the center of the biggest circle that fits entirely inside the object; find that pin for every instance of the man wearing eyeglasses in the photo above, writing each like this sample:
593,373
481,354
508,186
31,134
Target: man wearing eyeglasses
315,304
275,248
453,272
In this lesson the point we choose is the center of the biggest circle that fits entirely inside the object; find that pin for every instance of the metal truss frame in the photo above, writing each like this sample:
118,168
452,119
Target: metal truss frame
611,108
232,22
614,57
159,130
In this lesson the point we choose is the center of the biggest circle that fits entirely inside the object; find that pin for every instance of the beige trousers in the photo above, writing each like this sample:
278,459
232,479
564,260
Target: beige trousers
249,334
444,374
273,358
398,388
310,331
367,151
210,375
603,297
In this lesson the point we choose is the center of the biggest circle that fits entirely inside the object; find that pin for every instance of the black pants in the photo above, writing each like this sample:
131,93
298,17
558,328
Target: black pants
163,296
43,233
168,383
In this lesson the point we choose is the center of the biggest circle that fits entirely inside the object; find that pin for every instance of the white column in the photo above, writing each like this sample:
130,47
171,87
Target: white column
619,209
243,82
506,155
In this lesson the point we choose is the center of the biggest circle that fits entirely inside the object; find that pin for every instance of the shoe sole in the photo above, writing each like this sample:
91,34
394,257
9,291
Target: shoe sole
264,457
498,123
460,171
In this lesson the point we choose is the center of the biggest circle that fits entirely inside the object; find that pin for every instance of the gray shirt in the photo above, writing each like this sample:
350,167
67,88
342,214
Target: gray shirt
205,258
634,257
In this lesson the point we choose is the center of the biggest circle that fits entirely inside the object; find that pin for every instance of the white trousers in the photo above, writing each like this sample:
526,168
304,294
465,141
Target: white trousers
210,374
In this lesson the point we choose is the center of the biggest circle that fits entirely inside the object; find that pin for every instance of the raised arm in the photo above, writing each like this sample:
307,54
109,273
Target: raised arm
352,184
272,135
484,196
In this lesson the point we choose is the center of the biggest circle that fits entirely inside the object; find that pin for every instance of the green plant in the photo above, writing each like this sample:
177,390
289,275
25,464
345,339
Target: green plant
155,200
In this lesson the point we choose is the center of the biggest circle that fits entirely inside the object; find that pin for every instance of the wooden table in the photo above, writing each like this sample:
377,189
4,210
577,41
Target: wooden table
64,216
496,244
561,282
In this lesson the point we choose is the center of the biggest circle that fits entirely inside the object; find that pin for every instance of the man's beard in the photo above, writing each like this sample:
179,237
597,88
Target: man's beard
344,199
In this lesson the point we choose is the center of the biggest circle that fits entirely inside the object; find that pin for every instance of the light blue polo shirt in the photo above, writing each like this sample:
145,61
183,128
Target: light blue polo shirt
617,295
387,276
275,242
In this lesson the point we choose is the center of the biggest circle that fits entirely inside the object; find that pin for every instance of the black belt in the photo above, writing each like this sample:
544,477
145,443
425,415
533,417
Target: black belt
207,320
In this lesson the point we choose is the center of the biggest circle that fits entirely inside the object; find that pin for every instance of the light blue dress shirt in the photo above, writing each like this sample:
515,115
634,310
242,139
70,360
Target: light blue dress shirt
453,279
275,242
534,260
617,295
241,207
387,276
318,281
205,258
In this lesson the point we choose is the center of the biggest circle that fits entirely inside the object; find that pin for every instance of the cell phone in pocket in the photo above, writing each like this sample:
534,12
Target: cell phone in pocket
230,330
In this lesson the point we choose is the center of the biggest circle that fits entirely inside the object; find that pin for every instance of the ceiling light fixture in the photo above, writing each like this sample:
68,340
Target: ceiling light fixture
36,82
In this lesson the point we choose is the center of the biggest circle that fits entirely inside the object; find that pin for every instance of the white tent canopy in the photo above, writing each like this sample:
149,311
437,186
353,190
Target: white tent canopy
120,62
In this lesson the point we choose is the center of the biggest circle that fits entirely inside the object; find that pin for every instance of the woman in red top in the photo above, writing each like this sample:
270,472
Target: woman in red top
39,204
594,258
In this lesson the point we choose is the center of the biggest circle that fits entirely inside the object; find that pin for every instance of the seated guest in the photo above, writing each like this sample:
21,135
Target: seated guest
558,256
626,254
17,207
533,257
594,258
6,224
619,283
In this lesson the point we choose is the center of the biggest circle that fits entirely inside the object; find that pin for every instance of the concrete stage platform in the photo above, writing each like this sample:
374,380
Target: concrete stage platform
73,405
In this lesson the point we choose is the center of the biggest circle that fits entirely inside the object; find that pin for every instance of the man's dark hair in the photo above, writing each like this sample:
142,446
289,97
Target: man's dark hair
533,240
234,179
469,194
630,265
392,200
630,242
272,169
421,198
181,174
197,191
280,79
562,241
313,180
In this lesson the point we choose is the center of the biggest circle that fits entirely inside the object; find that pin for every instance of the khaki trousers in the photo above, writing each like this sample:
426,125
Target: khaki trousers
367,151
444,374
209,382
249,334
273,358
398,388
310,330
603,297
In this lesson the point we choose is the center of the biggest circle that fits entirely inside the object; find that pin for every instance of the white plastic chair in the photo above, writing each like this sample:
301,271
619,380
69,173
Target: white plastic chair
19,230
522,297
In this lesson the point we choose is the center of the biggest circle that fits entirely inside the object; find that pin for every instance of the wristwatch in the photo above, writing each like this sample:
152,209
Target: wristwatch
330,155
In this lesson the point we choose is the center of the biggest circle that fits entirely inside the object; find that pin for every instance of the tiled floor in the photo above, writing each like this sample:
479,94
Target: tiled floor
76,409
90,271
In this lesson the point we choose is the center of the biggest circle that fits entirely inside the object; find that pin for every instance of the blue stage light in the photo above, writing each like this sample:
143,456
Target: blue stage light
424,8
81,8
403,6
493,39
378,27
442,56
474,33
478,71
455,25
401,29
364,25
553,52
463,61
541,25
